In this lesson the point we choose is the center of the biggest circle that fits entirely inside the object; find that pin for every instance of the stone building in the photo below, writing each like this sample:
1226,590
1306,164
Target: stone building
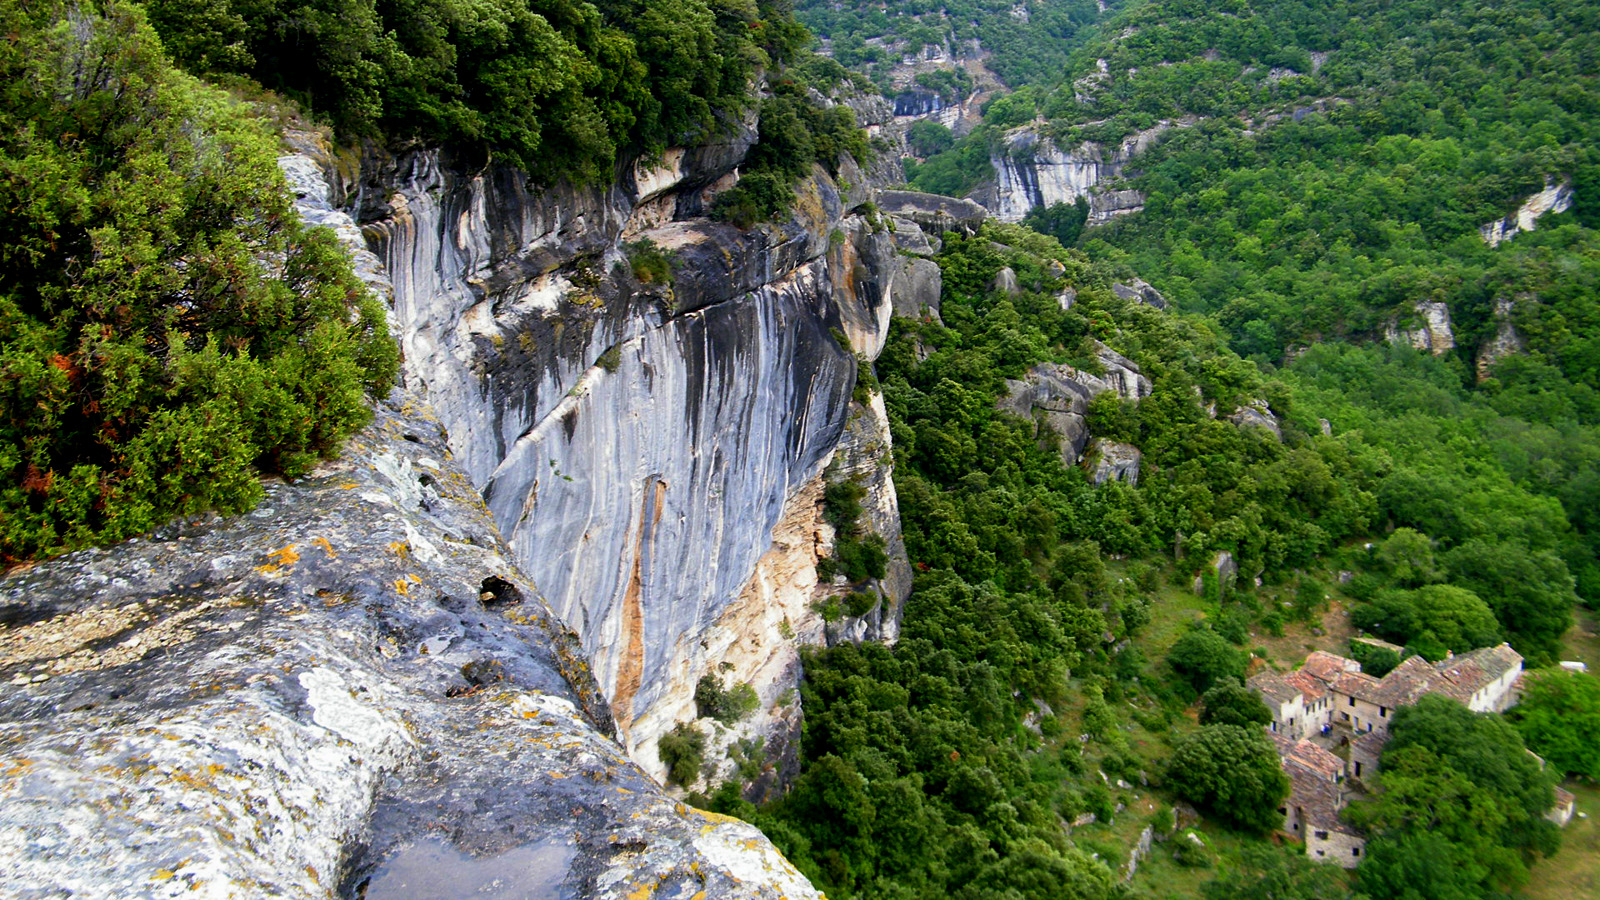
1329,702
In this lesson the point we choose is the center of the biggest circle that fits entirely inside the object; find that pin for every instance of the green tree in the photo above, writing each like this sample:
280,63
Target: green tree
1449,774
1229,702
1431,620
1559,718
1407,557
683,752
1202,657
1266,872
1232,772
168,329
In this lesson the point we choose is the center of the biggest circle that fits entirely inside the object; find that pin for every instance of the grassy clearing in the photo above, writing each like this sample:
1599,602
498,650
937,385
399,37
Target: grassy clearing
1574,873
1582,640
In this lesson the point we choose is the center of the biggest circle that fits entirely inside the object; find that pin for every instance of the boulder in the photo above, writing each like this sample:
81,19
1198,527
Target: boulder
1257,415
935,214
1112,461
1140,291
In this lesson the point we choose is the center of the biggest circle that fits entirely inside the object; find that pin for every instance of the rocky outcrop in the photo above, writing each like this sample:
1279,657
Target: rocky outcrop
1224,568
1257,414
1112,461
932,212
1031,171
1139,291
1507,341
355,689
1057,396
1555,198
351,688
1432,334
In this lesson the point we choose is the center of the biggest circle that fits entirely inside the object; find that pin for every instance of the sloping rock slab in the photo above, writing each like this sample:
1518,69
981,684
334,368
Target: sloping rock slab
349,689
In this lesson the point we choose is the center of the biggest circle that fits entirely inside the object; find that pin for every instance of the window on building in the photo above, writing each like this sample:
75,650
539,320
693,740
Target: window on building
1322,835
1383,712
1355,851
1352,701
1358,770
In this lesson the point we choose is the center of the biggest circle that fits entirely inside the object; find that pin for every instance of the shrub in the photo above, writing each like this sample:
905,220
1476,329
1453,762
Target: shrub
726,705
650,264
683,750
168,328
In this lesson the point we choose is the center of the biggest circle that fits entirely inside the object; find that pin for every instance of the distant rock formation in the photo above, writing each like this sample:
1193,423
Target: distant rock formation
1555,198
1433,335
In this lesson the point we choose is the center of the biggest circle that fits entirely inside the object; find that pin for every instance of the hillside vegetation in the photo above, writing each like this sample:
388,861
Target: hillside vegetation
168,329
1331,170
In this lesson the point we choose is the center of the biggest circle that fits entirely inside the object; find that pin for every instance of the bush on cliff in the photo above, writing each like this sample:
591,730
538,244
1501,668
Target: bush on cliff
168,329
559,88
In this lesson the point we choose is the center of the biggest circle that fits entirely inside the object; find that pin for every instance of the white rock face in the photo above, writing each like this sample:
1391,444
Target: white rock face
1555,198
1507,341
1031,171
639,445
1432,336
1113,461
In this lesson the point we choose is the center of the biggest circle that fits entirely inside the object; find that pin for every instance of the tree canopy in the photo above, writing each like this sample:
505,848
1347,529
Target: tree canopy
1232,772
1559,718
168,328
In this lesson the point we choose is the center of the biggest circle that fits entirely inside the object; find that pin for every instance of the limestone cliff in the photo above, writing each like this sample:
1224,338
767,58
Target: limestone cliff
350,691
1031,171
1555,198
638,442
353,690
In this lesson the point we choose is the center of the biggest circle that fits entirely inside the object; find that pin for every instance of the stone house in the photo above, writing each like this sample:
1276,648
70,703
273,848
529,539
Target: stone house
1329,702
1316,794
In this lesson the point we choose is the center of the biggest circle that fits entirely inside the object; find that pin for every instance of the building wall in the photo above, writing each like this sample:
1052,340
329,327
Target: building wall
1497,696
1336,847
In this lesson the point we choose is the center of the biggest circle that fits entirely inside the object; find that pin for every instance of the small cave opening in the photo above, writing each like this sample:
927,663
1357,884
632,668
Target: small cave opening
497,592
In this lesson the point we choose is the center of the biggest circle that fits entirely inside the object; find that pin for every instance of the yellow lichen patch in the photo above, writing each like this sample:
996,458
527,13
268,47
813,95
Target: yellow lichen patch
163,875
280,560
401,549
715,818
326,547
349,486
642,892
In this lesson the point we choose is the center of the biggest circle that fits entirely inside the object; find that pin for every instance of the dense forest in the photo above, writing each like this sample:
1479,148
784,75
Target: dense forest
1330,171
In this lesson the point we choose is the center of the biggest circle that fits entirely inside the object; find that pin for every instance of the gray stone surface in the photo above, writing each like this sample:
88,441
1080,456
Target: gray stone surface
1112,461
1058,396
1429,331
638,444
1031,171
1257,414
936,214
352,681
1140,291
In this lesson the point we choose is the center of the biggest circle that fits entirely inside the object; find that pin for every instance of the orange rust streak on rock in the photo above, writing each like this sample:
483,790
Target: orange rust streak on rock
630,670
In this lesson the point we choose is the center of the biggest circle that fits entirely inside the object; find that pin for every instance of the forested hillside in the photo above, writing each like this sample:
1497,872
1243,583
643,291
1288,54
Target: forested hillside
1328,173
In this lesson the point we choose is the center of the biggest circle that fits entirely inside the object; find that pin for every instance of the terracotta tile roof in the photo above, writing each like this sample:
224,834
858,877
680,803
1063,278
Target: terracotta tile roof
1402,686
1369,743
1314,788
1315,760
1377,642
1310,686
1355,684
1565,798
1462,676
1274,687
1326,665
